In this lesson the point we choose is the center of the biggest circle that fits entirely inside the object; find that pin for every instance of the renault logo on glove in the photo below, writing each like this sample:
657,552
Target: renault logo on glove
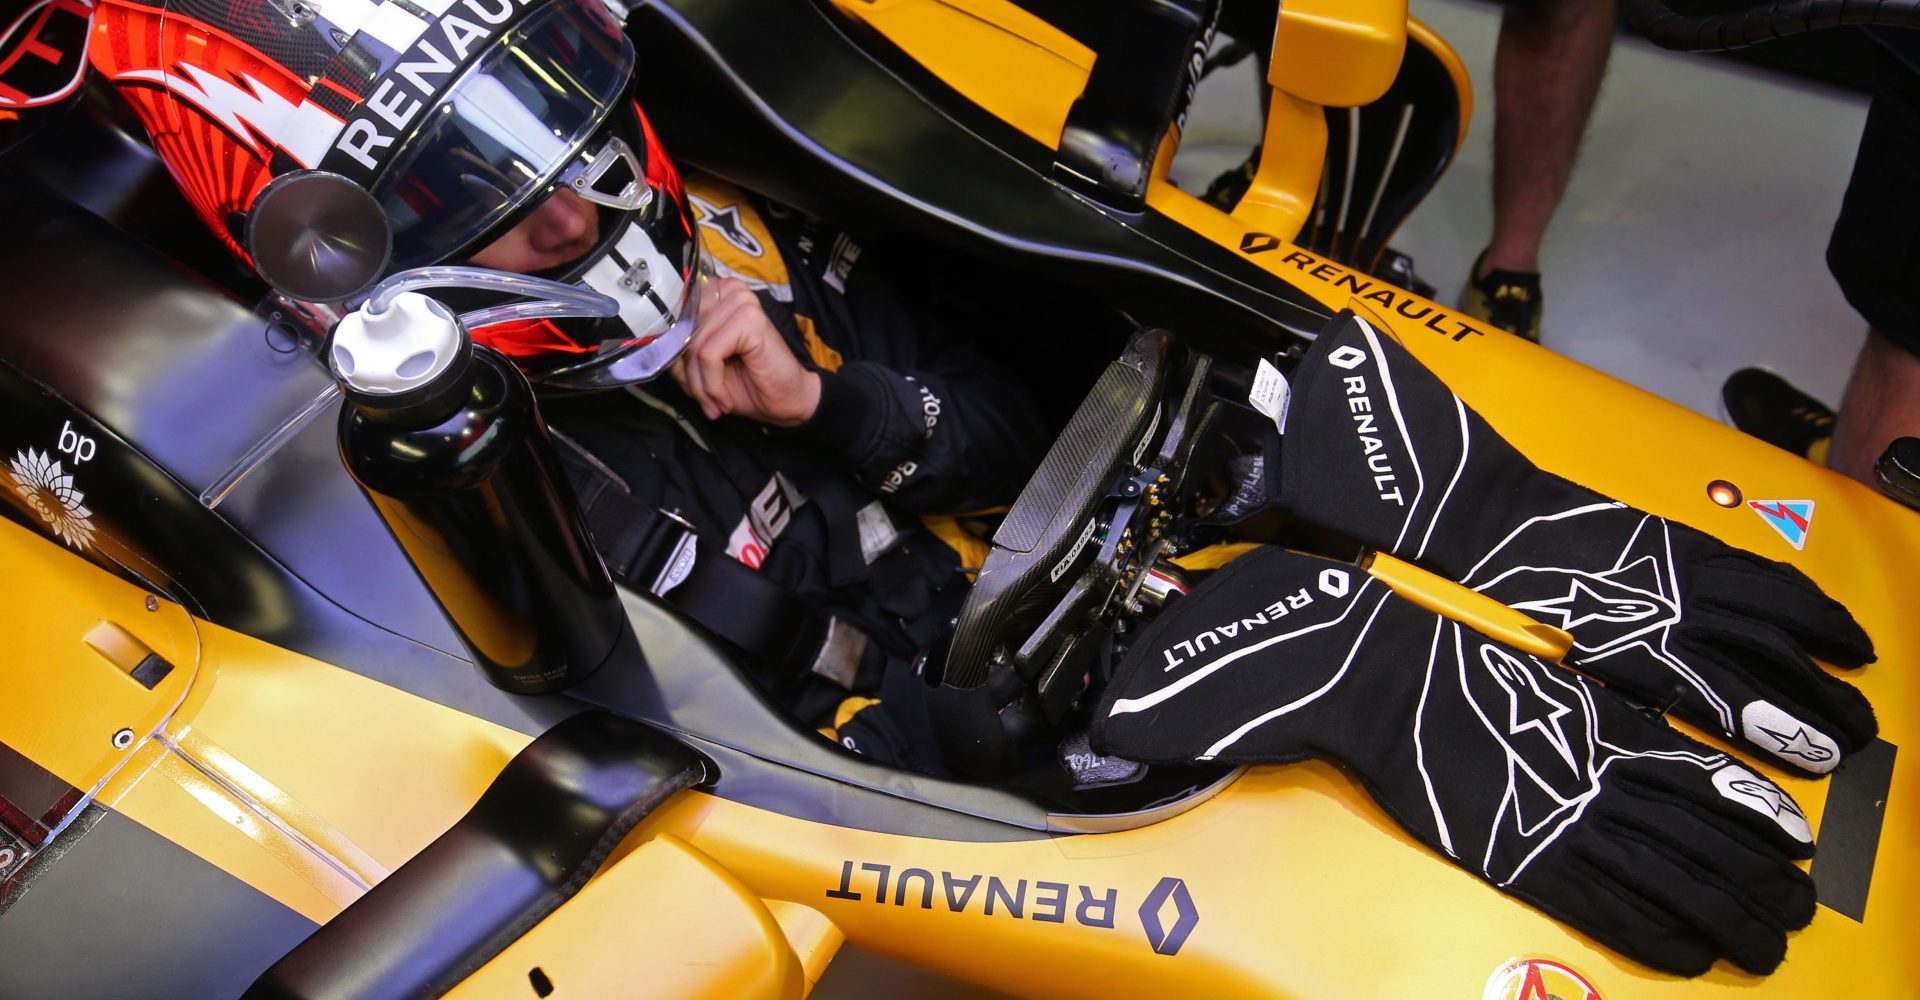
1348,358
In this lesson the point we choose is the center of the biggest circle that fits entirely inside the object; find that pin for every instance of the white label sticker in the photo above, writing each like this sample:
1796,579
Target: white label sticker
1147,438
877,533
773,508
1060,568
1270,393
746,546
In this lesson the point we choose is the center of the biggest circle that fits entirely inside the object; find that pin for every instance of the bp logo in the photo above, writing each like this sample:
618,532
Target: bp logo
48,489
1538,979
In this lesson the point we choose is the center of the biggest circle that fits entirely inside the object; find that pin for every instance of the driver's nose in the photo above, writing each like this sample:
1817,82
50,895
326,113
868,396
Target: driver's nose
560,221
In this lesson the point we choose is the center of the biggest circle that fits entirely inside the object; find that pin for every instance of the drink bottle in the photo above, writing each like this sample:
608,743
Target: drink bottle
445,438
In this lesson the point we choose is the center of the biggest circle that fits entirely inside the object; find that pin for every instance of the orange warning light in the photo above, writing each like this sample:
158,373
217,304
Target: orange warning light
1723,493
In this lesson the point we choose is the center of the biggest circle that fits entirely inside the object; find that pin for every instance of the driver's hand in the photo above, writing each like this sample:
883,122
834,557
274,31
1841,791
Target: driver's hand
738,363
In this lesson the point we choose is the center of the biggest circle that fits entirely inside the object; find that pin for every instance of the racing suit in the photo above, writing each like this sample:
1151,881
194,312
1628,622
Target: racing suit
911,424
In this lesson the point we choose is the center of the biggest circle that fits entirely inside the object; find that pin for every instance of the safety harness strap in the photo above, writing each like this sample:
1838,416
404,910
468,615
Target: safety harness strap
660,552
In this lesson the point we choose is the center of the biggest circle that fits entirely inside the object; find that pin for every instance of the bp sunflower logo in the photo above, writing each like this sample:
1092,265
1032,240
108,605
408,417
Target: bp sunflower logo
48,489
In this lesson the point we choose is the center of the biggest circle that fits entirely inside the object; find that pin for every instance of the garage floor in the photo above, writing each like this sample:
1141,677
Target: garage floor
1691,243
1692,239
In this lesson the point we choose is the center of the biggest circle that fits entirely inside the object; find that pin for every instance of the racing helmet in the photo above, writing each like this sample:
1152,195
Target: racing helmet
460,117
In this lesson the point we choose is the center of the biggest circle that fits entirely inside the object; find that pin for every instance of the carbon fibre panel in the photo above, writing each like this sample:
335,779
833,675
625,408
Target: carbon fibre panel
1050,526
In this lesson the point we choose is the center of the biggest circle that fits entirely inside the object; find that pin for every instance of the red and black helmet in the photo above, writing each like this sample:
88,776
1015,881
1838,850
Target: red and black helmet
459,117
43,58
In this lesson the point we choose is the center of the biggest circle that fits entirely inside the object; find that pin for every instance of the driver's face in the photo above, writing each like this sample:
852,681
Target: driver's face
560,231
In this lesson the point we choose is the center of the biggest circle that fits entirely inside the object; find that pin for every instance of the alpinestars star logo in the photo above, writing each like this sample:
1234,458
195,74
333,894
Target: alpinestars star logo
1792,740
728,224
1584,604
1528,707
1769,797
48,489
1799,745
1737,784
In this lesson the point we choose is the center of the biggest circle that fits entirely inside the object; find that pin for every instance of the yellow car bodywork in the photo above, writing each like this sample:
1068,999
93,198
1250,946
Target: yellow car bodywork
311,783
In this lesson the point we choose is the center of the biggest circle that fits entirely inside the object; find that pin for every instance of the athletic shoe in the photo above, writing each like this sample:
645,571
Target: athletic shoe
1768,407
1509,300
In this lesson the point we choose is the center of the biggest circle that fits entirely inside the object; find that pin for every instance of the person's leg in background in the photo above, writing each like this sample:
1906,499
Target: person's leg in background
1882,403
1875,259
1547,69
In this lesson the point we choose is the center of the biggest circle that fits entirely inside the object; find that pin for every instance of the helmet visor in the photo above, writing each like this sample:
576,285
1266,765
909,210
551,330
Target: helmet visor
502,135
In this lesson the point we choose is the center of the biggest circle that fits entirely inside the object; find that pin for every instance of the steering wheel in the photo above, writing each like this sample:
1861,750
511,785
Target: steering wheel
1077,546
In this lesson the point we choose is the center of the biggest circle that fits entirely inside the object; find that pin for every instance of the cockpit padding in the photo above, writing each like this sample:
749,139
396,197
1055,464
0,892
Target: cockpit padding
1148,63
538,833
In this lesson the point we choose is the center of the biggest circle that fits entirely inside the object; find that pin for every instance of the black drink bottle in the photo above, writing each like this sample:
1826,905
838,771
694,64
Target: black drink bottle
446,440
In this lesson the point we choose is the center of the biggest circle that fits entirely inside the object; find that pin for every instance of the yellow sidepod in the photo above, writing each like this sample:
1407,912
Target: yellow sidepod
1289,883
77,637
304,780
663,921
311,784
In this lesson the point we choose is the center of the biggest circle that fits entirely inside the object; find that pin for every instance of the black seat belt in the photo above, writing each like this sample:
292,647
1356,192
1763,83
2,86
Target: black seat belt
660,552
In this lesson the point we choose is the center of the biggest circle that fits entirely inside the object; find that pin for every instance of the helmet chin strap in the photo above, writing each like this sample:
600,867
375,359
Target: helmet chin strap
635,274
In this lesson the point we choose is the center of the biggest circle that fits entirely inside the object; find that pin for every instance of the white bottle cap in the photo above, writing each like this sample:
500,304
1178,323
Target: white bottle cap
400,349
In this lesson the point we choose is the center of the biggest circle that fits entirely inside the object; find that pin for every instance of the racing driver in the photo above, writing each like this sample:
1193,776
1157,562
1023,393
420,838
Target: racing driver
815,415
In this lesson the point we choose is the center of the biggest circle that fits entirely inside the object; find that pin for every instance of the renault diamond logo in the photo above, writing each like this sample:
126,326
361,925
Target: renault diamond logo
1254,243
1166,940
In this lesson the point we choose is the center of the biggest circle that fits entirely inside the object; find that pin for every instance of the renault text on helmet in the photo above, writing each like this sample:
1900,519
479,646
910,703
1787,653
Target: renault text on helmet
461,117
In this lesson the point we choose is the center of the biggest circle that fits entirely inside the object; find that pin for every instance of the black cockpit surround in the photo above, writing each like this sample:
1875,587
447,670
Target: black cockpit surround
173,379
796,101
1150,58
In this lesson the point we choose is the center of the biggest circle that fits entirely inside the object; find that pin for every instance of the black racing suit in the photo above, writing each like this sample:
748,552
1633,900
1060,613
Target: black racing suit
911,424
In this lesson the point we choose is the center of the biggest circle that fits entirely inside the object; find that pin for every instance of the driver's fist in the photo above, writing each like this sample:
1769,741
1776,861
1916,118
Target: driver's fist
738,363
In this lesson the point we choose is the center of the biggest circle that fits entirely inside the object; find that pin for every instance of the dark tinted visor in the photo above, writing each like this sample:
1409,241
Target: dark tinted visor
506,130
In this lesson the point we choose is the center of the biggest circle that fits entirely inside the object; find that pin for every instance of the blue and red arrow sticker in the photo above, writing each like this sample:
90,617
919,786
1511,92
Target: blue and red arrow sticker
1791,518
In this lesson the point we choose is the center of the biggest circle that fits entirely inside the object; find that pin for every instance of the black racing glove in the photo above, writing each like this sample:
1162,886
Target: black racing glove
1376,447
1546,785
